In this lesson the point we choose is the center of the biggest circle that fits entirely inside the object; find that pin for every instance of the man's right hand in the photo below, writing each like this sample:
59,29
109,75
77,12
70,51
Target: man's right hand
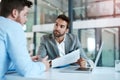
46,62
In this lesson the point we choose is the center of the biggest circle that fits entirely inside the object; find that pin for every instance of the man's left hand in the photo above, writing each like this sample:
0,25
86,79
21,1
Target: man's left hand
82,62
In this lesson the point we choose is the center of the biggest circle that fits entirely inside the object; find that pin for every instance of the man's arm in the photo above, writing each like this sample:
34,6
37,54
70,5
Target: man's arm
18,53
84,60
79,46
3,57
42,50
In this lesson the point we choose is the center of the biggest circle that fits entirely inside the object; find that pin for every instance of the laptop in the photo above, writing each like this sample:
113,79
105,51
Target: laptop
77,69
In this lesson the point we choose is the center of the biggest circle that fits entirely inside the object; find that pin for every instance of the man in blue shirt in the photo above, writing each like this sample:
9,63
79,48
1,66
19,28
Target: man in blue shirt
13,42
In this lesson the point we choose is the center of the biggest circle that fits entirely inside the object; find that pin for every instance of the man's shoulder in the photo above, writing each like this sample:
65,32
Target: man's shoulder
70,35
46,39
9,24
47,36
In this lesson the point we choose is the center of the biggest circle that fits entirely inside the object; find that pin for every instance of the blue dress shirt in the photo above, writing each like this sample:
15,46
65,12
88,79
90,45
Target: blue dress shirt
13,49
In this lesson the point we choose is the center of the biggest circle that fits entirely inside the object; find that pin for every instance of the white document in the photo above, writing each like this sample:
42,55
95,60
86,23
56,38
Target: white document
67,59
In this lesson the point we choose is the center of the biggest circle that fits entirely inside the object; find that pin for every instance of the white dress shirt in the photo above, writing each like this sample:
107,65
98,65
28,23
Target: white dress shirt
61,47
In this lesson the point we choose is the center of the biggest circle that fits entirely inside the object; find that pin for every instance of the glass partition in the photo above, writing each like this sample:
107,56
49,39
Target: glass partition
110,38
48,11
87,39
111,46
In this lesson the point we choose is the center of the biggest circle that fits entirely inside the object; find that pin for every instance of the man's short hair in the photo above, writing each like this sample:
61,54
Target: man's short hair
7,6
65,18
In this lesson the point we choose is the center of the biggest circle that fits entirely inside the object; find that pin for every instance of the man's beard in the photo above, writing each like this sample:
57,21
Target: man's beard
58,34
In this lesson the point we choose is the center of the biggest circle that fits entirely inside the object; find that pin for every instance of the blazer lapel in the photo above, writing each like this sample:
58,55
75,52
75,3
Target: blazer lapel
55,47
67,46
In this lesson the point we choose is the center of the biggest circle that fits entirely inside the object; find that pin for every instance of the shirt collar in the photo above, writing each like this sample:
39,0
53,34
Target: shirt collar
56,40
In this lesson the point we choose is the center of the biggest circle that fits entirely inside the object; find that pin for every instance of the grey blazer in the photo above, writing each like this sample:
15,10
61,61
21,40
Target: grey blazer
49,47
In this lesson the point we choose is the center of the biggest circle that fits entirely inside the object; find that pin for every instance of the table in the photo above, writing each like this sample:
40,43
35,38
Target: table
100,73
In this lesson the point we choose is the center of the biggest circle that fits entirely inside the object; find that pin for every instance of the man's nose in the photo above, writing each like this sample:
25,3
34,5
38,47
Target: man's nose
58,28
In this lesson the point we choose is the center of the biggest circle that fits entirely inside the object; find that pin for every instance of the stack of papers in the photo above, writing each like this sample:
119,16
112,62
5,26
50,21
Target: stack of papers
67,59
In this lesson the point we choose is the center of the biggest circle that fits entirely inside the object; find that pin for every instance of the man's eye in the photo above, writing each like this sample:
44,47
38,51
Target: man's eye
62,26
56,24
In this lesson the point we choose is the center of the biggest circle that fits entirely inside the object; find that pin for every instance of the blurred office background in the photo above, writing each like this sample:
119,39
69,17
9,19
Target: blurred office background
94,21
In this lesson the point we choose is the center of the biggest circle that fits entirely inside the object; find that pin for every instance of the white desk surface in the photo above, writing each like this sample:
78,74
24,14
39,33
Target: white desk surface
100,73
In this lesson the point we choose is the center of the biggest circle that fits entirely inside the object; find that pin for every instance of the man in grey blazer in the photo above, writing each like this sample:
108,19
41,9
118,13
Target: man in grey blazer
60,42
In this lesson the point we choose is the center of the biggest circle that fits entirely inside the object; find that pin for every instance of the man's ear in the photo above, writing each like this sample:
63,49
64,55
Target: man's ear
14,13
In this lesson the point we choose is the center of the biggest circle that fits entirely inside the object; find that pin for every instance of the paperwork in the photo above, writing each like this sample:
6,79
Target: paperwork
67,59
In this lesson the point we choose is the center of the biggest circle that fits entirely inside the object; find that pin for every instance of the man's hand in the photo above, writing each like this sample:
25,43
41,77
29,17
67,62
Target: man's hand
46,62
35,58
82,62
43,60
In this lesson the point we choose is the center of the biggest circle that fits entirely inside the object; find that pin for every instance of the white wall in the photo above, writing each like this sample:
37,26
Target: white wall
95,23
